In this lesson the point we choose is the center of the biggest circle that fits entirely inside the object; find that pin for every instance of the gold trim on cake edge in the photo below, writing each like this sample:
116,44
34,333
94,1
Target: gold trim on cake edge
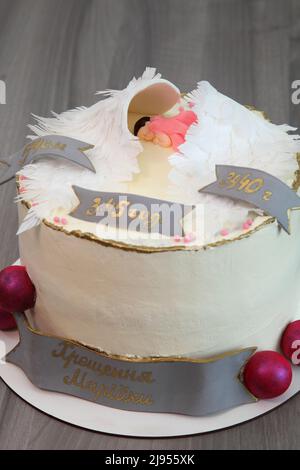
147,249
134,358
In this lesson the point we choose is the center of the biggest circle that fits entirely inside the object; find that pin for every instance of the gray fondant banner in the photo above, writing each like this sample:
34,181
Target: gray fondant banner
172,385
131,211
259,188
53,146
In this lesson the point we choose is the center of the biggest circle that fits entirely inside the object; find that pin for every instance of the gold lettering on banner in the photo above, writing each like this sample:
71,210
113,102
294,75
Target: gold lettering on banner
40,144
69,357
113,392
267,195
92,211
119,208
116,210
244,183
254,185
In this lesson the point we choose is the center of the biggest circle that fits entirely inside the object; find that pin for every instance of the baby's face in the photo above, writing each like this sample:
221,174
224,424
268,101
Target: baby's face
145,133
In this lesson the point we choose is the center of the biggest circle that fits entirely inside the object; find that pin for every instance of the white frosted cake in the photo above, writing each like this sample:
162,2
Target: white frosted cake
230,283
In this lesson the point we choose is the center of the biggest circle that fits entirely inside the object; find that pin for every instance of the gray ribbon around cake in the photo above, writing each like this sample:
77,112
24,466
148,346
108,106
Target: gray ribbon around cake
172,385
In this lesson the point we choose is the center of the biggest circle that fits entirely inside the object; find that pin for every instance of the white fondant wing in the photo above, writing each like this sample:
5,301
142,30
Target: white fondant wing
114,155
30,221
228,133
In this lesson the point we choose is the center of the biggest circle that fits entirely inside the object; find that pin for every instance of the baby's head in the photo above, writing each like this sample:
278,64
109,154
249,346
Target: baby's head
140,124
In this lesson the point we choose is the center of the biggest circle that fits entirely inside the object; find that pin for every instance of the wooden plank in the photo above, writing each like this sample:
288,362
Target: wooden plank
55,54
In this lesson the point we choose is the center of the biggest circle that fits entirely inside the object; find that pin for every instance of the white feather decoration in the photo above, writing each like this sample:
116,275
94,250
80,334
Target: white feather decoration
226,132
30,221
114,155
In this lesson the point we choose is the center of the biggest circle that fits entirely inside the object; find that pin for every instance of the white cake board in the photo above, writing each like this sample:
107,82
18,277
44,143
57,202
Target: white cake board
126,423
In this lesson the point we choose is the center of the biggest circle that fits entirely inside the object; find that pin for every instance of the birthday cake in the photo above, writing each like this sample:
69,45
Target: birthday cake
224,279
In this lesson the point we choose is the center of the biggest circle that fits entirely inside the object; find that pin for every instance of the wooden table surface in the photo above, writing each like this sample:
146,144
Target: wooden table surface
54,54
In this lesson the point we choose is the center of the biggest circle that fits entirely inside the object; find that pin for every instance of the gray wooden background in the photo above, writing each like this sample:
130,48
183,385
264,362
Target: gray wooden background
54,54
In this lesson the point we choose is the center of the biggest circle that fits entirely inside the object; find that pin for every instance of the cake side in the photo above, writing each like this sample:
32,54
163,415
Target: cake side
169,303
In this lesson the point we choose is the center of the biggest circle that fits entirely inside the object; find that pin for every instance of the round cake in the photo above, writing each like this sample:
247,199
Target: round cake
229,281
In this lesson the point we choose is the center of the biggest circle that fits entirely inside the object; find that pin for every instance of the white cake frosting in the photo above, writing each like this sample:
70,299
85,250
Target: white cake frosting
184,302
152,296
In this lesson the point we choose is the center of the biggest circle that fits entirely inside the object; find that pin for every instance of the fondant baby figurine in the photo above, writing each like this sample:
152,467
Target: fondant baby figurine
165,131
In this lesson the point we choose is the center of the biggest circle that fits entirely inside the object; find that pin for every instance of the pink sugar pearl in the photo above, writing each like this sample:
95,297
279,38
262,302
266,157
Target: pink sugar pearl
249,221
246,226
224,232
64,221
189,237
56,219
177,238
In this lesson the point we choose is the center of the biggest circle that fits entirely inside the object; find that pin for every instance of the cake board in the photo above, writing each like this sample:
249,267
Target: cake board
104,419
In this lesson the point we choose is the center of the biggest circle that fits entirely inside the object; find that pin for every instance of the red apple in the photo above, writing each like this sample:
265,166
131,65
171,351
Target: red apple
290,342
7,321
17,293
267,374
